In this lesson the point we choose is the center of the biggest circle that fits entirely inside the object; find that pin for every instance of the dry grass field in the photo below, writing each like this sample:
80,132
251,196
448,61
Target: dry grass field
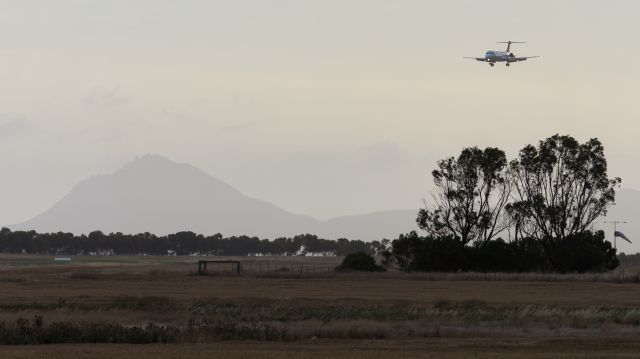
441,348
305,314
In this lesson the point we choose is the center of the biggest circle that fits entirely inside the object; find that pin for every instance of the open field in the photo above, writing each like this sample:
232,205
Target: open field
557,348
449,316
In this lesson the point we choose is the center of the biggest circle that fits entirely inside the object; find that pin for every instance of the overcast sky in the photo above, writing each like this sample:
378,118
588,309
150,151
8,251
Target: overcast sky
322,107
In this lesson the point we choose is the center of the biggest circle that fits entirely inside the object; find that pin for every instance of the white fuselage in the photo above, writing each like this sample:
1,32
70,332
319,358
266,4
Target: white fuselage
499,56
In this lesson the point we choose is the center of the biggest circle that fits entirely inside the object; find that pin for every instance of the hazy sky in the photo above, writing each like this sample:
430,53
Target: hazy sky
322,107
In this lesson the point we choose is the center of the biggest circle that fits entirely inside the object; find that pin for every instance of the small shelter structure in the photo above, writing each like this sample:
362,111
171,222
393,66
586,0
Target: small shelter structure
202,265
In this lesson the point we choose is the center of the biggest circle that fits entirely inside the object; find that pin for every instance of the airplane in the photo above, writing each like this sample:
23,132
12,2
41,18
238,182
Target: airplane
502,56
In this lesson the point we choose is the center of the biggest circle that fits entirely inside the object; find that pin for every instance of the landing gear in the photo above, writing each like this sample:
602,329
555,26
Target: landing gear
492,64
508,64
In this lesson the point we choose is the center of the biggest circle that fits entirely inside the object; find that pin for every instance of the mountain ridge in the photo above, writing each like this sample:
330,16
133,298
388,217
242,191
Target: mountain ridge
154,194
157,195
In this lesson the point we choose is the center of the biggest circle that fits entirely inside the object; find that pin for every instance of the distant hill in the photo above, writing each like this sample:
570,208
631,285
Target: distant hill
377,225
154,194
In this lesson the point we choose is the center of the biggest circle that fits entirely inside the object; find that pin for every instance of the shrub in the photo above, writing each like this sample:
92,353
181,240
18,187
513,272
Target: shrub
361,262
144,303
233,330
414,253
582,252
25,332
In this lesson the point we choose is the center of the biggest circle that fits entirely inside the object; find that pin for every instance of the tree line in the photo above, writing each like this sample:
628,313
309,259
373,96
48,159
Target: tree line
534,212
181,243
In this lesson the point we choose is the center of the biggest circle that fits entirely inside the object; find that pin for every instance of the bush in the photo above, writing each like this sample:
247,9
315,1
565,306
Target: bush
25,332
361,262
442,254
494,256
144,303
583,252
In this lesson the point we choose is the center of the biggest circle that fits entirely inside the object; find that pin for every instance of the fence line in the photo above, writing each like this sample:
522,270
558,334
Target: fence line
284,268
268,267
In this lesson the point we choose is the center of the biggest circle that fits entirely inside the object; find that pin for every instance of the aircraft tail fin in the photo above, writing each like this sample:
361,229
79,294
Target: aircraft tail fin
509,44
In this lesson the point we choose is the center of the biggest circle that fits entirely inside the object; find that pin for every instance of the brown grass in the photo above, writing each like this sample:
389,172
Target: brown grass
97,284
459,308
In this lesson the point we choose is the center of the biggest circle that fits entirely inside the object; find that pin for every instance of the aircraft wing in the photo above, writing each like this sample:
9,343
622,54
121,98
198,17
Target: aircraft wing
476,58
516,59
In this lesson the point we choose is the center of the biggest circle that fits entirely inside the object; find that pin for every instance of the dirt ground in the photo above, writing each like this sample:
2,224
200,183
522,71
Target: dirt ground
445,348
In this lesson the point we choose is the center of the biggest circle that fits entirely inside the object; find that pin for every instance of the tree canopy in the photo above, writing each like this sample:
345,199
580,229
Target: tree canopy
181,243
560,187
544,203
471,193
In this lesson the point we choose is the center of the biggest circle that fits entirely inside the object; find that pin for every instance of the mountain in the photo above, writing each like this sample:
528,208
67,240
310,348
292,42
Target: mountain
154,194
377,225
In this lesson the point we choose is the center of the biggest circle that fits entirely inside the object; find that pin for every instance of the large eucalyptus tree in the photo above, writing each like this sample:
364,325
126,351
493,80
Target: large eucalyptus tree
471,192
559,188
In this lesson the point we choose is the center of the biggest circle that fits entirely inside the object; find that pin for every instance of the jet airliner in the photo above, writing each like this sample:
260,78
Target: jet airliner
507,56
